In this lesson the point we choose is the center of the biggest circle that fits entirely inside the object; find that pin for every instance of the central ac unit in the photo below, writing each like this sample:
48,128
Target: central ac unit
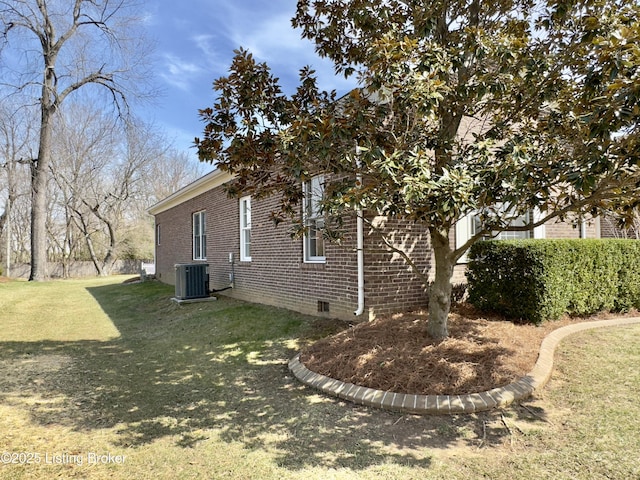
192,281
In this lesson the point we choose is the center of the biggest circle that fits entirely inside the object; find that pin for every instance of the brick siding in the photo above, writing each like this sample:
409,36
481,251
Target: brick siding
277,274
559,229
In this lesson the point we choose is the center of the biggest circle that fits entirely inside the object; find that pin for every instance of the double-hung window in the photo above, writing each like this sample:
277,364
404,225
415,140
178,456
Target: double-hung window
469,225
313,217
200,236
245,229
520,221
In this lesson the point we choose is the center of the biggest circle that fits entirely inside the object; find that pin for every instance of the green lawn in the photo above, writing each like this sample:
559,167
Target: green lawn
91,368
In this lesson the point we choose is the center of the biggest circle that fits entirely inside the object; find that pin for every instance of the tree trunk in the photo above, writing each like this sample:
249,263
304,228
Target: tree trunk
39,170
110,258
7,224
94,257
67,244
440,291
92,252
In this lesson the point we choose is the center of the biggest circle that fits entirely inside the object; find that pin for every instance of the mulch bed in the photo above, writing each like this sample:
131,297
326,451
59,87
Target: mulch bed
396,354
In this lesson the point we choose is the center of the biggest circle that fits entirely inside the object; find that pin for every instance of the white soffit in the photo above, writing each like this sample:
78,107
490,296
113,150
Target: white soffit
203,184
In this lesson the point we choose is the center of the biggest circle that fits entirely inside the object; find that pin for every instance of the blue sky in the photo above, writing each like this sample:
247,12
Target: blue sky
195,43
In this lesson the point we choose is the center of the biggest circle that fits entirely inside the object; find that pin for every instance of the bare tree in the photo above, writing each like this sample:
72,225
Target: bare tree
66,46
102,173
170,172
84,146
165,171
16,139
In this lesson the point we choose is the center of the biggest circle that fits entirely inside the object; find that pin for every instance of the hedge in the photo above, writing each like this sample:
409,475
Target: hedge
538,280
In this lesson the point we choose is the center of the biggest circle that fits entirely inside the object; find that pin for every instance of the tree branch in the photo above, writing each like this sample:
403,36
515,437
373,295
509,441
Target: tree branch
402,253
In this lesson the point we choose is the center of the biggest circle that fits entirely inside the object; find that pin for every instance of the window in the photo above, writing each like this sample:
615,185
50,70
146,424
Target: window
157,234
200,236
245,229
323,307
520,221
313,245
469,225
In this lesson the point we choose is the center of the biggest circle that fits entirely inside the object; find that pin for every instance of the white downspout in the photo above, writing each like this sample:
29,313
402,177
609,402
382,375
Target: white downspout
583,227
360,244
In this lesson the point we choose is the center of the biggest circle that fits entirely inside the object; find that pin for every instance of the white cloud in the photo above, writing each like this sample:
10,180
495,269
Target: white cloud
196,40
270,37
204,44
149,15
210,53
178,72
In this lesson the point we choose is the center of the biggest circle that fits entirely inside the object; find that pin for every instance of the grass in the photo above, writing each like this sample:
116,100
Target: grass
202,391
34,311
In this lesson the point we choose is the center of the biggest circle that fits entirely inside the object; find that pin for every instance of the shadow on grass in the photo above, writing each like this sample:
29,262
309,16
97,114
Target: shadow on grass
199,371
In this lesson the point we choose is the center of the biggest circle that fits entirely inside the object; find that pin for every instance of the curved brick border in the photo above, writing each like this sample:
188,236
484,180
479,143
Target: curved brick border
450,404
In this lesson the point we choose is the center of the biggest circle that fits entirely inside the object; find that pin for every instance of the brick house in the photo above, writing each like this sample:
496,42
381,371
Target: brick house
241,246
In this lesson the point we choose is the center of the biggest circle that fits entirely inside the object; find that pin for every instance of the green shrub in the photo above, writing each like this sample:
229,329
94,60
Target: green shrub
537,280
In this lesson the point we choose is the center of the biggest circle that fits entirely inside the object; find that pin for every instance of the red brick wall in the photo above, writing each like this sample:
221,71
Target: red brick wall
392,285
611,229
277,274
559,229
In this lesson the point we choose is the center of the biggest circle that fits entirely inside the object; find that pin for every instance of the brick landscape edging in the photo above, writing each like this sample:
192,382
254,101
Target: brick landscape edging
452,404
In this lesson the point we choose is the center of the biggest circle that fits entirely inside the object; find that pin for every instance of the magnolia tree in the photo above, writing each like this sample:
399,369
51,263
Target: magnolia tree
493,108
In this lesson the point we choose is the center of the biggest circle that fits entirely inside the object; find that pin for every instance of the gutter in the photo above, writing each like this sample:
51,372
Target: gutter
203,184
360,245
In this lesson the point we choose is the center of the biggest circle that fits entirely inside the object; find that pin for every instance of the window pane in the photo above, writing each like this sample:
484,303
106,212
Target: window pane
319,244
313,218
512,235
199,236
315,241
245,229
308,201
312,247
204,246
476,225
245,213
246,243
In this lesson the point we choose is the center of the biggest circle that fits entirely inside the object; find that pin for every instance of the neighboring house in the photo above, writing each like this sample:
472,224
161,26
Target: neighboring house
264,264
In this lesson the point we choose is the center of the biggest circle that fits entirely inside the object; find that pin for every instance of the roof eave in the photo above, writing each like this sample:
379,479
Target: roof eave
203,184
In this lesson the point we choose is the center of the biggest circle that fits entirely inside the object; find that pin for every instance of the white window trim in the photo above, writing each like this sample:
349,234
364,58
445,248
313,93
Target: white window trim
464,227
540,231
307,258
464,230
202,238
243,229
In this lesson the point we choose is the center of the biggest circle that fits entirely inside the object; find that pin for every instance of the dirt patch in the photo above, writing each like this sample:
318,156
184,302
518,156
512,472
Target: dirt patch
396,354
